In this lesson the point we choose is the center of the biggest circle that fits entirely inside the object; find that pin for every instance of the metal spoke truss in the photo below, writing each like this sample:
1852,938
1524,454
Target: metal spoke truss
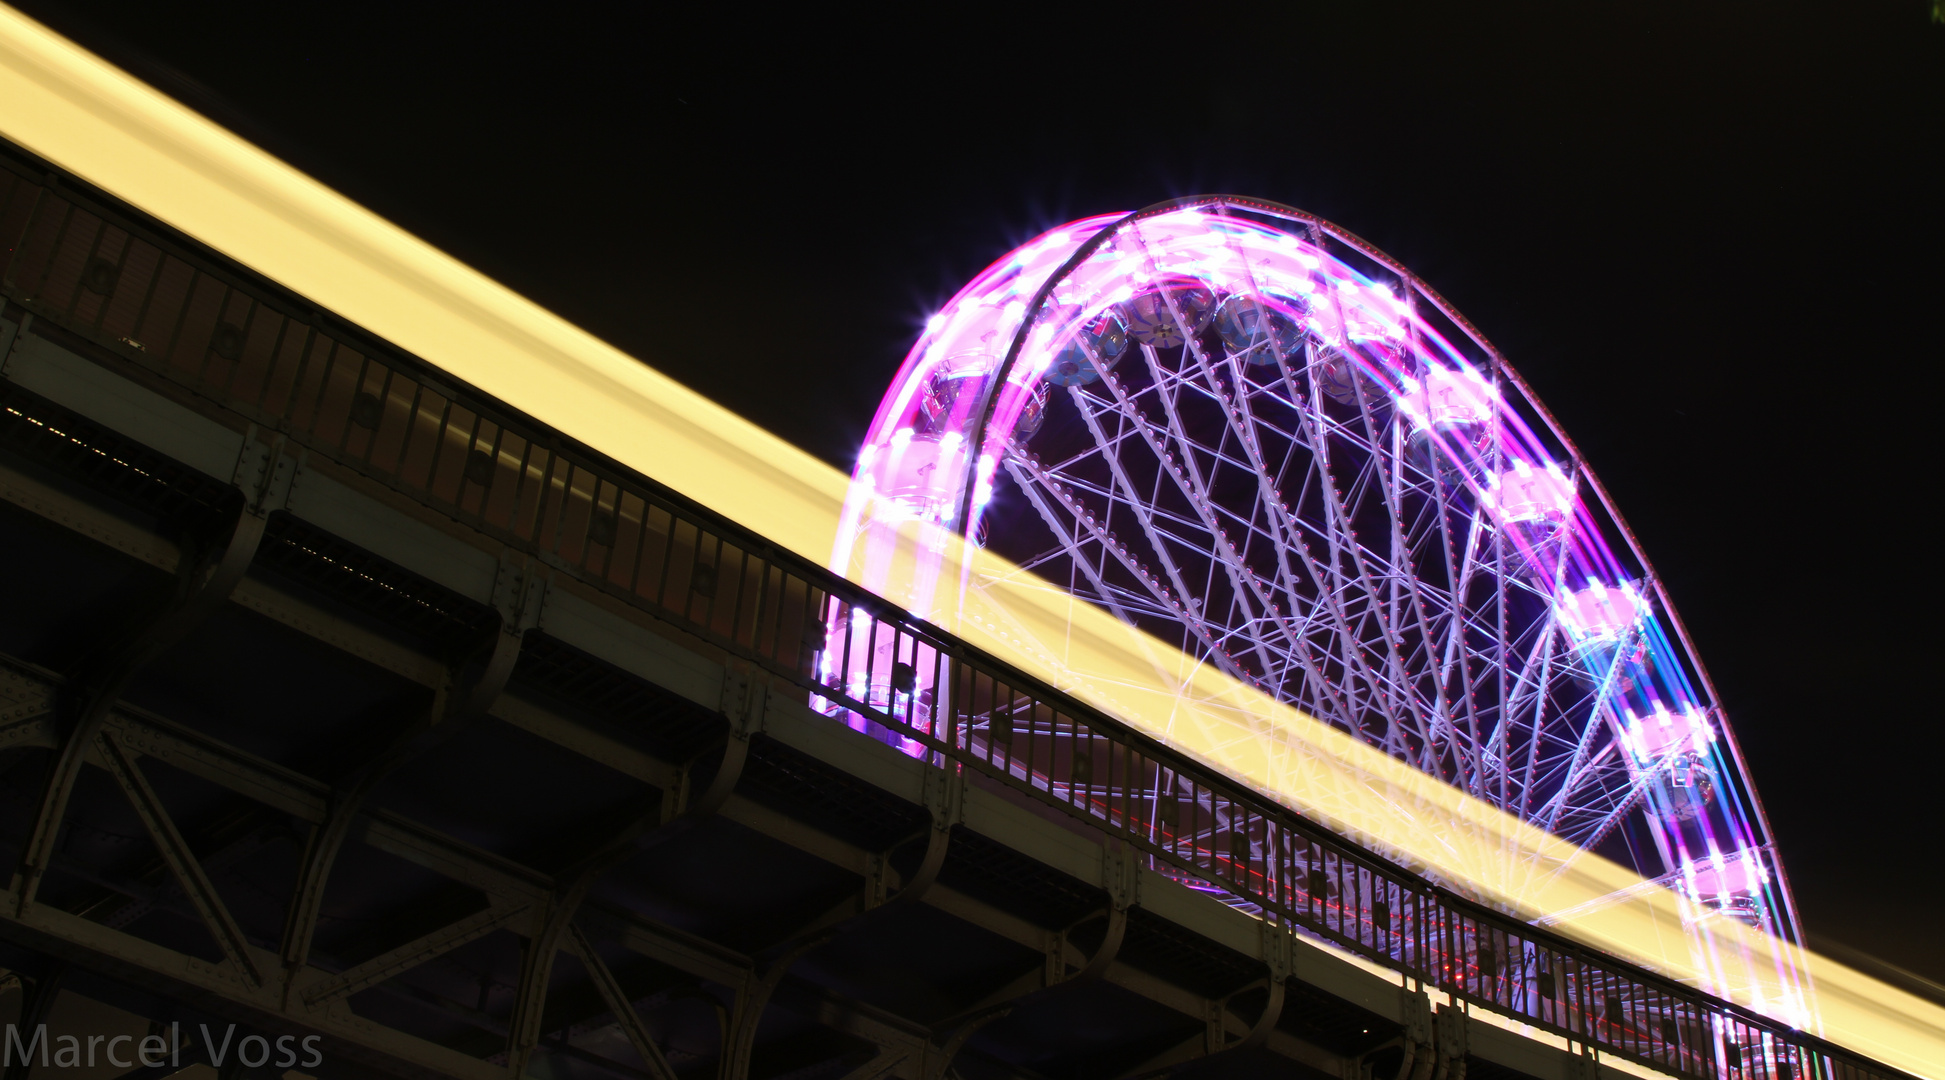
1247,432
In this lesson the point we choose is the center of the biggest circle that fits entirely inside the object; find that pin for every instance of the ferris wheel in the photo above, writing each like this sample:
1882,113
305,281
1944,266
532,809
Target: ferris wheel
1253,435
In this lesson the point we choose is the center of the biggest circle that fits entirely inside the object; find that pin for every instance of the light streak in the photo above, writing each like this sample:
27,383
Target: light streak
114,132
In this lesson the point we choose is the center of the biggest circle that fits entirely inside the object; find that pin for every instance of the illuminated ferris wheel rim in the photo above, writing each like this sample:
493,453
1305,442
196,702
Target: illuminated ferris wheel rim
1086,238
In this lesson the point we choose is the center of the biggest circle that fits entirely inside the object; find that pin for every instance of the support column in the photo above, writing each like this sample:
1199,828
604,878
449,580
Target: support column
519,594
203,585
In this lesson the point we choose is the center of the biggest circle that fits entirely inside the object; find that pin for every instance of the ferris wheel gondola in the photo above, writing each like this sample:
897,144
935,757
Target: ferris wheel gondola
1253,435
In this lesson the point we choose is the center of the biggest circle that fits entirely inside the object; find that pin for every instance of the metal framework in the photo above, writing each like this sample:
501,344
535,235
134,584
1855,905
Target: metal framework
521,900
153,310
1246,431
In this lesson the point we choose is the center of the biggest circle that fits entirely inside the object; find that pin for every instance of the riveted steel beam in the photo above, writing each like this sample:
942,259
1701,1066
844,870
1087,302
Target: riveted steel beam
518,594
618,1004
175,852
411,954
203,585
511,885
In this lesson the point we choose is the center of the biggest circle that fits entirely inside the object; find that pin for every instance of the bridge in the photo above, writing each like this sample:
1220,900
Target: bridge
340,701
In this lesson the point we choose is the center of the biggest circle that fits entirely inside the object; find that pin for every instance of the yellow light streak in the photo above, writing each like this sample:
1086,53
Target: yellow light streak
1365,794
102,125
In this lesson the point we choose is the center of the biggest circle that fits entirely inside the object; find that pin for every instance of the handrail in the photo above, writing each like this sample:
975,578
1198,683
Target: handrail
149,298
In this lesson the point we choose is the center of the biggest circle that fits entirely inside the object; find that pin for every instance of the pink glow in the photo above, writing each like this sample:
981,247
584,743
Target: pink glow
918,461
1599,612
1664,732
1739,874
918,474
1445,398
1524,493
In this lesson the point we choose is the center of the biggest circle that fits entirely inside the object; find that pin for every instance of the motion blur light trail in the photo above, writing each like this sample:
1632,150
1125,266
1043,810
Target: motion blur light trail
101,124
1242,402
1070,314
105,127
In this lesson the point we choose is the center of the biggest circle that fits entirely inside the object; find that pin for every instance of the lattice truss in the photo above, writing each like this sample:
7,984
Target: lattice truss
1288,525
1316,476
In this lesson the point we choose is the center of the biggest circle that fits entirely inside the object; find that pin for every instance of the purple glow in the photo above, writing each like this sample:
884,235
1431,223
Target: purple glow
1448,398
1655,737
1294,321
1599,612
1524,493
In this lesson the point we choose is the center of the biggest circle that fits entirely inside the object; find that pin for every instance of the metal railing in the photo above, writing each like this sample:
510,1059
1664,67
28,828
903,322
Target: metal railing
242,344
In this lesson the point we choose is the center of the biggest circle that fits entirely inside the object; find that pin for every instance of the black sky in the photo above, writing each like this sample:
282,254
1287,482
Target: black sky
1705,232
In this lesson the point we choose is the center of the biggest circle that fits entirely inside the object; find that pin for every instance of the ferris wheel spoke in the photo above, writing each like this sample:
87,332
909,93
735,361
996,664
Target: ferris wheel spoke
1528,686
1123,482
1617,811
1193,486
1241,421
1537,729
1599,718
1334,584
1034,563
1389,486
1457,655
1502,591
1169,523
1383,580
1335,503
1036,484
1593,816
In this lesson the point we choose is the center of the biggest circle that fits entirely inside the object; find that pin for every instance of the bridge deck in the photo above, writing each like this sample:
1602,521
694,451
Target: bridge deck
337,700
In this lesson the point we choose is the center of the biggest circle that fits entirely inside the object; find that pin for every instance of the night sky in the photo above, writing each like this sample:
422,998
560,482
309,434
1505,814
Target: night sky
1706,233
